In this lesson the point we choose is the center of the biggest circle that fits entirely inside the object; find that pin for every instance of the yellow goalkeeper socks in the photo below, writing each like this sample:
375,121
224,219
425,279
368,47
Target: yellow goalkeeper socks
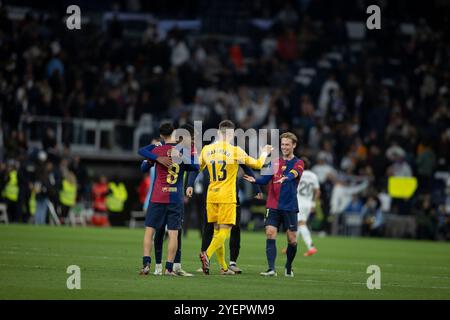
221,257
215,243
218,241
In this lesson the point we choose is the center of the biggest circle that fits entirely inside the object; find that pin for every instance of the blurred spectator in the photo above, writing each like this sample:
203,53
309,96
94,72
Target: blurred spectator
443,224
341,198
342,194
10,192
399,166
115,201
287,45
426,162
55,66
11,145
426,218
180,53
355,206
44,188
49,141
99,192
373,217
67,194
287,15
25,176
329,87
323,169
81,175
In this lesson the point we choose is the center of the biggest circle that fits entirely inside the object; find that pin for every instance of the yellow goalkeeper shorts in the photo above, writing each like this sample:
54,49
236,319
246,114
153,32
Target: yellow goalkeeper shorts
221,213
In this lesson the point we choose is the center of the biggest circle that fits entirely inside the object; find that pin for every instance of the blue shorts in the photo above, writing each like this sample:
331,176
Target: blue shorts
160,214
276,217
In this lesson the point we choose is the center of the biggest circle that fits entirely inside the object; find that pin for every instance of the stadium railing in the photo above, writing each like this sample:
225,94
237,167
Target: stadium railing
87,137
352,224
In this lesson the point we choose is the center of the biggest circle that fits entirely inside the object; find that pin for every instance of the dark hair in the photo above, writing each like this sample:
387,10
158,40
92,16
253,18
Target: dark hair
166,129
226,125
307,163
189,128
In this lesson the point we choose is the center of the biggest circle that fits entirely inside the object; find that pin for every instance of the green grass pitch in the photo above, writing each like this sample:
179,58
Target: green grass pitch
34,260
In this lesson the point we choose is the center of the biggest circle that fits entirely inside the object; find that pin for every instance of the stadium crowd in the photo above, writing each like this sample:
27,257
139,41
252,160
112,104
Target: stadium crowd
363,109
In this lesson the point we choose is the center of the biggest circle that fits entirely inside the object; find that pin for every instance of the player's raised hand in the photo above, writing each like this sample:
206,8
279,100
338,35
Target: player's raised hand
189,191
165,161
267,149
249,178
281,180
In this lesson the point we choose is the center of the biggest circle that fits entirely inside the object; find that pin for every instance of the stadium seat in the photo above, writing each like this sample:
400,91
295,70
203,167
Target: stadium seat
352,224
3,213
78,215
137,218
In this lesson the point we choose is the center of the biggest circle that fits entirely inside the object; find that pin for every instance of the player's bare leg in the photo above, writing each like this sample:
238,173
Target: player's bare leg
271,250
306,235
291,251
147,249
172,247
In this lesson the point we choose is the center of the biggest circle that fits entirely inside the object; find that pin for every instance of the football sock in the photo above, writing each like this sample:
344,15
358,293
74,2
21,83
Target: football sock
169,266
306,235
221,257
212,243
218,240
146,260
271,253
290,255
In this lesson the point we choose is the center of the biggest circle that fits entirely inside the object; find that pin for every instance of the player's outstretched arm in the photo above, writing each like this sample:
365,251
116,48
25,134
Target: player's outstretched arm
263,180
244,158
249,172
295,172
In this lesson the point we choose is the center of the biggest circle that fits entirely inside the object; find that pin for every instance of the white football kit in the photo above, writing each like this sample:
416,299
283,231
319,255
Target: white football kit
305,194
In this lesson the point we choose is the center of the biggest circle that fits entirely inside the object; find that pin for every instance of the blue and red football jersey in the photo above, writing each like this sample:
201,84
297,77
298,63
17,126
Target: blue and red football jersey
283,196
168,185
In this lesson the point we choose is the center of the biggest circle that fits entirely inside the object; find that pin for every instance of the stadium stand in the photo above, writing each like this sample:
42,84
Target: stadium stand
365,107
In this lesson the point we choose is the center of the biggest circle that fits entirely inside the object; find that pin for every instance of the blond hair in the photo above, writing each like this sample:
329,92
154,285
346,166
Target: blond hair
289,135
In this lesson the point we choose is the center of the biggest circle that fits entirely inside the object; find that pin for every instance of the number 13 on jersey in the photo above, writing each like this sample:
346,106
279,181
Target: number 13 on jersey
219,173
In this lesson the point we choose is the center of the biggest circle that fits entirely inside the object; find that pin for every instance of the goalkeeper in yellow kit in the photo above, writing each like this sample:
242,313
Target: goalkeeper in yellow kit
222,160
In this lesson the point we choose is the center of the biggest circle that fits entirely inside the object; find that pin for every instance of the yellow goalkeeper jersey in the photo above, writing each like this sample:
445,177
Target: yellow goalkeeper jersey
222,160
